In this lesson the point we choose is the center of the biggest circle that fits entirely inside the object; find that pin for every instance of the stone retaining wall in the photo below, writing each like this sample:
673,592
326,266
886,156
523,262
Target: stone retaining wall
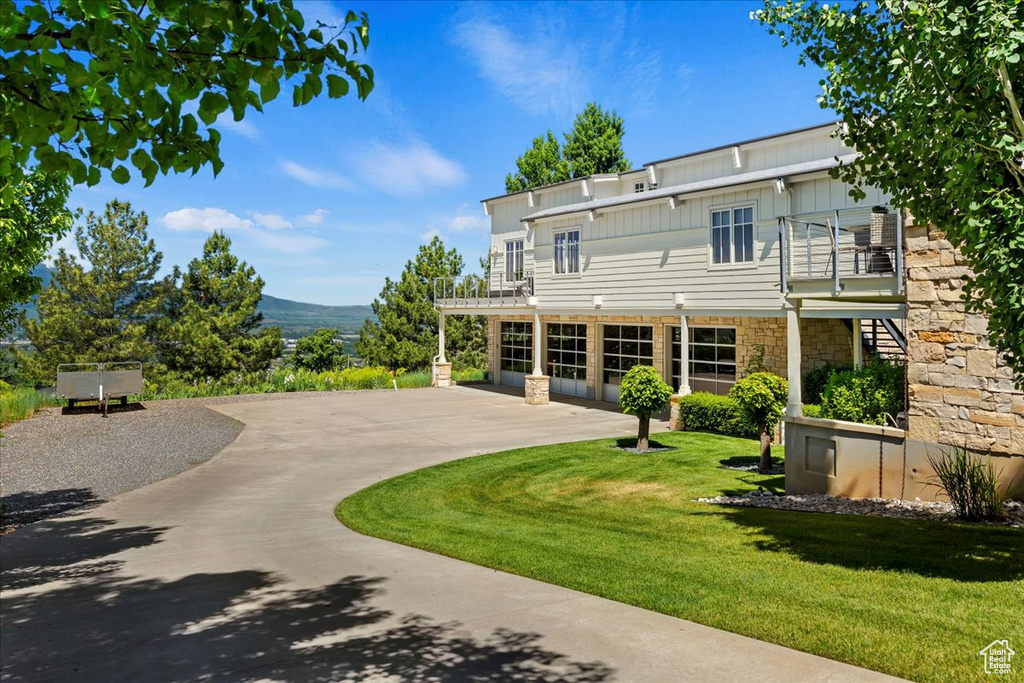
961,393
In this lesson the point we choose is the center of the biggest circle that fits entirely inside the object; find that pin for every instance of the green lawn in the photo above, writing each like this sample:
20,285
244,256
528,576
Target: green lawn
916,599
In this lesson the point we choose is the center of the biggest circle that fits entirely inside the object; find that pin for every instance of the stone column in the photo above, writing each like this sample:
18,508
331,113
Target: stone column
538,385
795,407
442,375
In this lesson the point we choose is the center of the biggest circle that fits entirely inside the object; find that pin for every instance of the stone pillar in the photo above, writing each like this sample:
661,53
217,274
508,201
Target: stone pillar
684,356
795,407
442,375
675,420
537,390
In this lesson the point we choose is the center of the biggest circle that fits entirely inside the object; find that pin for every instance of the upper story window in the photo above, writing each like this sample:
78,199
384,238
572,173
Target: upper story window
638,187
514,260
732,235
652,186
567,251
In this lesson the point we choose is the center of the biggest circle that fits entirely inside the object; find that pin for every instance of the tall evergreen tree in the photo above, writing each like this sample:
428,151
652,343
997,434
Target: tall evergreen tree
214,334
406,331
594,145
99,309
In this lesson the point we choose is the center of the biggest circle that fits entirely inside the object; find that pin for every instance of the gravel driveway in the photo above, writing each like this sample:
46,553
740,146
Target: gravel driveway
56,462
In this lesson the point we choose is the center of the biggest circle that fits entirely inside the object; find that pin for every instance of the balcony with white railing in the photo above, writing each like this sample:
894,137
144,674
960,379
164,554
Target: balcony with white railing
484,291
846,253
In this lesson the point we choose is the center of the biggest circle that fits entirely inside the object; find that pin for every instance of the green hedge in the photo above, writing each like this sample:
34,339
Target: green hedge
870,395
815,381
706,412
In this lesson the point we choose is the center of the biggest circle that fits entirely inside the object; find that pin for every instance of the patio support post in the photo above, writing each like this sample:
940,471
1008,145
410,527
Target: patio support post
794,356
684,356
538,386
858,345
537,364
440,338
442,375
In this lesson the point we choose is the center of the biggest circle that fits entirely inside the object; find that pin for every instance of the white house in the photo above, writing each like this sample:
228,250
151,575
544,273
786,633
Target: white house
749,251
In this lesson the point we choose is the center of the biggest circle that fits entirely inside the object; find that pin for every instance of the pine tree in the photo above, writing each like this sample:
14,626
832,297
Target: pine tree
406,331
99,309
594,145
213,336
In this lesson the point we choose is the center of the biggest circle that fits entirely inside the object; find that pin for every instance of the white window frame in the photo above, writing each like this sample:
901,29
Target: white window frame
515,259
638,187
730,210
561,265
721,385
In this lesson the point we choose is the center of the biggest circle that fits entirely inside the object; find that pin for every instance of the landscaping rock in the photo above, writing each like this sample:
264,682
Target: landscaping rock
871,507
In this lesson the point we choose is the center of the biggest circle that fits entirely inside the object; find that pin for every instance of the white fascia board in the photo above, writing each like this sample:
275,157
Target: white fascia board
765,176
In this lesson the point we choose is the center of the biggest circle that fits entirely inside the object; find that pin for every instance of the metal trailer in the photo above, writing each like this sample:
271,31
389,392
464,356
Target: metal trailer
99,382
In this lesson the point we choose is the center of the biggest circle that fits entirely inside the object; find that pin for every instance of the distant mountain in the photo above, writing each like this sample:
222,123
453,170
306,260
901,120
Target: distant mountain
296,319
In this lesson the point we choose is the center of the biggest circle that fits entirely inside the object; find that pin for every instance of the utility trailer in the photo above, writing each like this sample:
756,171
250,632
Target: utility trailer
99,382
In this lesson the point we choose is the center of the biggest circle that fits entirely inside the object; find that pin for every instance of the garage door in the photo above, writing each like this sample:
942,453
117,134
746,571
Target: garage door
567,358
624,347
516,356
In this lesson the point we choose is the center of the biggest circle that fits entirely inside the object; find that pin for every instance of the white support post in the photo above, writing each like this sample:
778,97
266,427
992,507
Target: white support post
440,338
684,356
858,345
538,366
795,407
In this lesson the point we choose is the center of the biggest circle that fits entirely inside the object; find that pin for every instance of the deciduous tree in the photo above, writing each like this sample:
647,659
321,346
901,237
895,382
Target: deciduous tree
30,223
643,392
216,333
762,398
319,352
91,86
594,145
99,307
929,93
406,331
542,164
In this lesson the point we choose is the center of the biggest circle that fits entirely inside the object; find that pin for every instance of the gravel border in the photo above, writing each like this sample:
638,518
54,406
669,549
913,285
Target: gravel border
68,459
870,507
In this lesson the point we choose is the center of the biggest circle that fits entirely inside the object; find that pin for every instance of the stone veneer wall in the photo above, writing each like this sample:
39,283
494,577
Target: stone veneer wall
822,340
960,391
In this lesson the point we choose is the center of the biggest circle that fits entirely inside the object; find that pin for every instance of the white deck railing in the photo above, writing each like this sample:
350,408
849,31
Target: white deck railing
483,291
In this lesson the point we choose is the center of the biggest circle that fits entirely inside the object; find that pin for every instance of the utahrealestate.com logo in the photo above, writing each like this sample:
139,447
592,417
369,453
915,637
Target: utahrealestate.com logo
997,657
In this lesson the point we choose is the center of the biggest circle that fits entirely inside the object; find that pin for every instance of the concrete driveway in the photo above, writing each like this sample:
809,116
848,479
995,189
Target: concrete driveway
238,570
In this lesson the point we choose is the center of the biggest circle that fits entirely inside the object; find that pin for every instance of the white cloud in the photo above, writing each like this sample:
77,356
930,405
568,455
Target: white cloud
209,219
431,234
315,218
313,177
273,221
290,243
244,128
407,171
540,75
469,222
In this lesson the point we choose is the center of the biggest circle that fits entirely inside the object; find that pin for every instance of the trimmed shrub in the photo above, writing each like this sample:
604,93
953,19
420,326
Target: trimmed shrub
812,410
971,484
642,393
762,398
870,395
814,381
703,411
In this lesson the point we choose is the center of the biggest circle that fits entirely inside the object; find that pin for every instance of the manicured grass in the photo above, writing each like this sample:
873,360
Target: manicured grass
21,403
916,599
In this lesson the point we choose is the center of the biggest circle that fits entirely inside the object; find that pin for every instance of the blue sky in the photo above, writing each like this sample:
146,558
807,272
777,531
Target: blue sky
326,200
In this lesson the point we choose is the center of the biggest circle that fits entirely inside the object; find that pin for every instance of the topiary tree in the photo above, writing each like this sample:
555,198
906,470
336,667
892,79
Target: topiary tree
762,397
643,392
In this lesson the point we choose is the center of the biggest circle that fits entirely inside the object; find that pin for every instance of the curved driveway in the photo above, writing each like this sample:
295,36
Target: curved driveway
238,570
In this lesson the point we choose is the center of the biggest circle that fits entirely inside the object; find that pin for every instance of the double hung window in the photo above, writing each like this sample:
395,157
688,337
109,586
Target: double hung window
732,235
567,252
514,260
